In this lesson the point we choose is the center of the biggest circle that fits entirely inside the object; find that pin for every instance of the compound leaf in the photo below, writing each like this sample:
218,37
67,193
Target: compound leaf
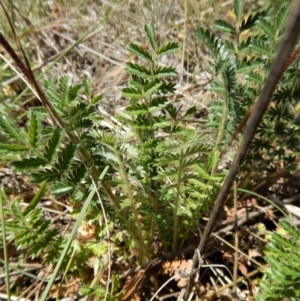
149,28
65,156
164,72
152,87
13,148
34,129
251,20
224,26
45,175
29,163
139,51
137,69
266,27
9,129
52,144
37,198
132,93
261,47
238,6
168,48
211,41
61,188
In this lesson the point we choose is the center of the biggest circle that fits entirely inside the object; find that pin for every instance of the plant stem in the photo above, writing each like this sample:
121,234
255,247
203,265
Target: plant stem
224,115
176,206
143,254
2,199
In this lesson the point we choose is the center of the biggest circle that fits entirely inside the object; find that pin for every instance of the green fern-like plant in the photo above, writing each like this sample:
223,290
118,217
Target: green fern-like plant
242,60
150,157
164,153
282,277
31,232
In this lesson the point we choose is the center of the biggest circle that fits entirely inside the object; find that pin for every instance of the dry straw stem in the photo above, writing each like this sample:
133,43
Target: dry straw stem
276,71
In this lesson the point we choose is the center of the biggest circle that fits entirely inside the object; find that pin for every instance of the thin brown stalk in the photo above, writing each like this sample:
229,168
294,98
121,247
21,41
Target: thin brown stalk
236,239
276,71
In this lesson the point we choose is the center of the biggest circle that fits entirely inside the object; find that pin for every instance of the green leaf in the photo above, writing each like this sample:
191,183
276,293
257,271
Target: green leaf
238,6
52,144
51,92
79,116
202,172
166,88
29,163
213,160
189,112
137,109
230,47
16,209
244,45
138,70
77,173
152,87
37,198
149,28
65,156
290,271
267,27
97,100
98,249
192,161
254,77
210,40
188,176
74,91
34,129
157,104
168,158
132,93
196,149
86,290
139,51
224,26
14,148
290,229
9,129
251,20
168,48
248,65
221,64
61,188
137,82
282,15
87,88
164,72
171,110
281,241
168,172
273,260
261,47
45,175
63,86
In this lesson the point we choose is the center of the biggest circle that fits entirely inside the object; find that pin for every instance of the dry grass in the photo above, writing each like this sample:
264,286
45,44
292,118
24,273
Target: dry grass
47,32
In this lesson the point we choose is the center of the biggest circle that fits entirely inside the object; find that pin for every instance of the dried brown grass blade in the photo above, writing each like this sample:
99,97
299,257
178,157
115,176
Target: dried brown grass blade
24,68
